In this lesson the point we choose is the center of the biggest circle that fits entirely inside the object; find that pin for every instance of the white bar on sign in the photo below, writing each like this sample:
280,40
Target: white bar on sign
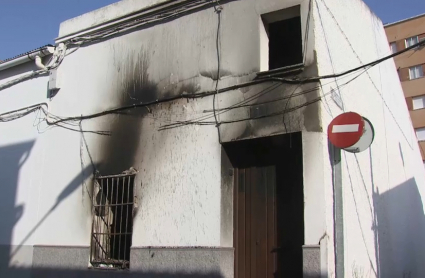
345,128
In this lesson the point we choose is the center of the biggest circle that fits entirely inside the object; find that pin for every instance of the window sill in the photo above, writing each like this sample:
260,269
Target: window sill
417,109
279,72
416,78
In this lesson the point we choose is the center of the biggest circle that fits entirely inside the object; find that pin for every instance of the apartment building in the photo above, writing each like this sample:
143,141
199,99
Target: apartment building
411,69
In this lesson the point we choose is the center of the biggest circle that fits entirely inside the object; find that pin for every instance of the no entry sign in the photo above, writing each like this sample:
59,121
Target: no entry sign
346,130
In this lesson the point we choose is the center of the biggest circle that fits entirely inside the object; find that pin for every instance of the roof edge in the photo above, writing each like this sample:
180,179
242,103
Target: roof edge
105,15
26,57
156,9
404,20
26,53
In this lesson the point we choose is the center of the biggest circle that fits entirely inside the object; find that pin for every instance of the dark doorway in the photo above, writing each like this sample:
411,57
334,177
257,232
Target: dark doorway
268,206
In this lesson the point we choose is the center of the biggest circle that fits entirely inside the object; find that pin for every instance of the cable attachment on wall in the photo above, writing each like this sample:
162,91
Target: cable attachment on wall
217,7
58,56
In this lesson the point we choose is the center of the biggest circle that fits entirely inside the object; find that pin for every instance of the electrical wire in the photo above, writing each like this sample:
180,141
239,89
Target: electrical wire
297,80
22,78
234,87
79,41
218,9
306,35
71,121
21,112
136,23
291,109
224,110
245,102
267,115
286,106
36,73
415,46
327,44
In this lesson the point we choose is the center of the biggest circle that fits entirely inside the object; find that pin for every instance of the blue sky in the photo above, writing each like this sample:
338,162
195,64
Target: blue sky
28,24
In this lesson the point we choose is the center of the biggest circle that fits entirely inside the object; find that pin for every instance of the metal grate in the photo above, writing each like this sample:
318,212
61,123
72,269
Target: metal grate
112,225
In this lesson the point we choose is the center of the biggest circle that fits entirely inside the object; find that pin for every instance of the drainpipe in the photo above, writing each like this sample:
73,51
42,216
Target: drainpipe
42,52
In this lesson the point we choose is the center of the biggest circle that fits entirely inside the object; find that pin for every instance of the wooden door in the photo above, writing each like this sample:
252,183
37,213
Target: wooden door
255,225
268,212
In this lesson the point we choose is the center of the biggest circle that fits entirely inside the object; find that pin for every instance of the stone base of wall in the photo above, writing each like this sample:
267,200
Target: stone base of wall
207,262
61,257
201,262
73,261
311,261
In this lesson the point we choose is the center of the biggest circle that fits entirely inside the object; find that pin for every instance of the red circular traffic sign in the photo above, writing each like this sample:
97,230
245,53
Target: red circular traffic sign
346,130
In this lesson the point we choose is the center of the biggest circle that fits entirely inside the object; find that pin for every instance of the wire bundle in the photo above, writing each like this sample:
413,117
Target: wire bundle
72,122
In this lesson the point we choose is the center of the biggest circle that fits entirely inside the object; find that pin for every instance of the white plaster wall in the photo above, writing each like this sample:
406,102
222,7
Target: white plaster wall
383,186
48,188
21,164
180,187
179,180
314,144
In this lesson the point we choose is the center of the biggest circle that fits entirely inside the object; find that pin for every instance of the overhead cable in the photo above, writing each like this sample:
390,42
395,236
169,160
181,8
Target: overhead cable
235,87
297,80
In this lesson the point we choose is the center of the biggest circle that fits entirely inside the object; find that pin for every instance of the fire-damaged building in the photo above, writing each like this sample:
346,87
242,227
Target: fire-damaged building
189,138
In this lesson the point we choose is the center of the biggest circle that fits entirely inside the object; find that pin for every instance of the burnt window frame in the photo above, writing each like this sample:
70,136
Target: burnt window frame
104,231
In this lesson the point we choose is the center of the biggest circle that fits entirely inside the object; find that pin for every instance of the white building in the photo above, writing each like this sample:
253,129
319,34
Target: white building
201,125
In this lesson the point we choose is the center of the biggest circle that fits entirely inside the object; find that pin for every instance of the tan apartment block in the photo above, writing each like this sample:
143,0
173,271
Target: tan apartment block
411,69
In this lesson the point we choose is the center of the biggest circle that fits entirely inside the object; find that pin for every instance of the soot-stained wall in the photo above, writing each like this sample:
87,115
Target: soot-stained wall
178,187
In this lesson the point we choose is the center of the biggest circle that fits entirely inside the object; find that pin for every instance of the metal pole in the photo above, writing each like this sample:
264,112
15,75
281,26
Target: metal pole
338,211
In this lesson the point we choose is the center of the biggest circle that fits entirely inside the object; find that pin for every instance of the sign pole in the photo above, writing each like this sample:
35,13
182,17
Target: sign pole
352,133
338,211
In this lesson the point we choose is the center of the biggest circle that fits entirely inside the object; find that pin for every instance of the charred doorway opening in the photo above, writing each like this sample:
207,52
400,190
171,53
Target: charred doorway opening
285,45
268,206
112,226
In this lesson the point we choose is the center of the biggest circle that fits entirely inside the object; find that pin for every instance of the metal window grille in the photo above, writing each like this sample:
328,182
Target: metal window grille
112,225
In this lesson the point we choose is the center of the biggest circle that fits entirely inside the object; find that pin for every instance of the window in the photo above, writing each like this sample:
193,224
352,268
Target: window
393,47
281,32
416,72
412,41
419,102
112,225
420,133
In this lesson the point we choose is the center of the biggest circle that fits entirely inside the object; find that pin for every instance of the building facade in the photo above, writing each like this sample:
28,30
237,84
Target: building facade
411,68
188,138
